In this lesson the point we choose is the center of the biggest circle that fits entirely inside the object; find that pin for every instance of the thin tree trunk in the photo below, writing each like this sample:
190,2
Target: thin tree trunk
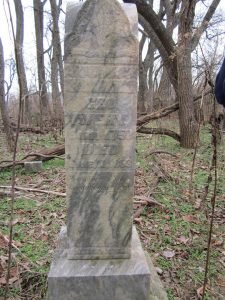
26,111
38,19
142,78
55,66
187,121
3,107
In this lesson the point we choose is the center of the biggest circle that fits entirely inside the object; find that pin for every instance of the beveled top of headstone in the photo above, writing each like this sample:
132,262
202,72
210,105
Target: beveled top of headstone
101,31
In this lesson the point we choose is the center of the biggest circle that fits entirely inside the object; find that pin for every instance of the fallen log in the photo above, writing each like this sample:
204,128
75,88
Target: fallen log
161,131
43,155
33,190
26,128
143,120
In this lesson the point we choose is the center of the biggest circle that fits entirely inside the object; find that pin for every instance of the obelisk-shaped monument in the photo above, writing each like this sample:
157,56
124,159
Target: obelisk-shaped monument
99,255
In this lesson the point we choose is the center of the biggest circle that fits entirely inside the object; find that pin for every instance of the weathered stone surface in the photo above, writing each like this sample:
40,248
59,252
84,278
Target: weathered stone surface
98,257
101,70
33,166
116,279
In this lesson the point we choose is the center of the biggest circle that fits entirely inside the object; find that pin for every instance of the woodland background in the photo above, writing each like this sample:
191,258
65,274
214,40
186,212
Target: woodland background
180,147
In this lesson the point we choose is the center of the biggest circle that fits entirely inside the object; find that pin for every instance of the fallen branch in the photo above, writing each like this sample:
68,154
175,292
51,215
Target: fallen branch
162,131
147,201
43,155
39,155
32,190
160,152
7,241
165,111
25,128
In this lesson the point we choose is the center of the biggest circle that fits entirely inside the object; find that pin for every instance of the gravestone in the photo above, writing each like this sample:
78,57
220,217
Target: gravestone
99,256
33,166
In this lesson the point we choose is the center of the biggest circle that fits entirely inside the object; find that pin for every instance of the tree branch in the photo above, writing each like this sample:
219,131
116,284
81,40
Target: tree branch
153,19
165,111
208,16
161,131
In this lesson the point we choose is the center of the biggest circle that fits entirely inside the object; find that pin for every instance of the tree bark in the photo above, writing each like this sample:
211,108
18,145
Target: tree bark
142,78
187,121
3,107
56,61
26,111
39,19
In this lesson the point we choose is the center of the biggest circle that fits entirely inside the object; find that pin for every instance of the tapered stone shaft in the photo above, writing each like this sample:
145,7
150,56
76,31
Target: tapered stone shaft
101,70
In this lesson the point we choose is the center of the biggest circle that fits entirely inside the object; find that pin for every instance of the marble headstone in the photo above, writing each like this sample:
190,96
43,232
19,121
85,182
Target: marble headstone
98,257
101,65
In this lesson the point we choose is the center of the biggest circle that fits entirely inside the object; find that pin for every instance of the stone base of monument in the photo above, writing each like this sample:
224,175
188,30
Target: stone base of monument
116,279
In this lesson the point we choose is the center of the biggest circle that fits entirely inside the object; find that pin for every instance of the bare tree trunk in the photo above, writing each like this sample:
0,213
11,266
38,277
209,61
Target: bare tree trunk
142,78
55,63
188,124
172,54
26,111
165,89
38,19
3,107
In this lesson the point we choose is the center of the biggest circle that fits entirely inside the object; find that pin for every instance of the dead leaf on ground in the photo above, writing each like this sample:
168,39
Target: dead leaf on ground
2,280
183,240
198,203
191,219
168,253
138,220
3,243
217,243
200,292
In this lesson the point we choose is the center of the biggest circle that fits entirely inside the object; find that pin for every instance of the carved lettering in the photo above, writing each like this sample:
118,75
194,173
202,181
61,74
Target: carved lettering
94,120
102,164
111,135
100,149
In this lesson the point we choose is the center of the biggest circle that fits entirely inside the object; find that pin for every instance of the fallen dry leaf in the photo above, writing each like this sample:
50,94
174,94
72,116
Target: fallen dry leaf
3,243
199,292
2,280
217,243
168,253
198,203
137,220
191,219
183,240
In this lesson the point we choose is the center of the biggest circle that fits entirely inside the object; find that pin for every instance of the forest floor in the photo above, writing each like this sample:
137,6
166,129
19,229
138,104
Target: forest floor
173,223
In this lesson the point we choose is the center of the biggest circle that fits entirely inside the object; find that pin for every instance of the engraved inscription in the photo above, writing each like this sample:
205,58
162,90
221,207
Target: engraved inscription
102,103
97,181
100,149
111,135
108,120
102,164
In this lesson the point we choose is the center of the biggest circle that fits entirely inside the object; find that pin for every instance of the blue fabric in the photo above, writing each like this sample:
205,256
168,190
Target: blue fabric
220,85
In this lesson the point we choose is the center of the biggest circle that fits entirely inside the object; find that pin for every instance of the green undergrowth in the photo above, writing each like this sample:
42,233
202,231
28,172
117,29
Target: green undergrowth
37,220
175,234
